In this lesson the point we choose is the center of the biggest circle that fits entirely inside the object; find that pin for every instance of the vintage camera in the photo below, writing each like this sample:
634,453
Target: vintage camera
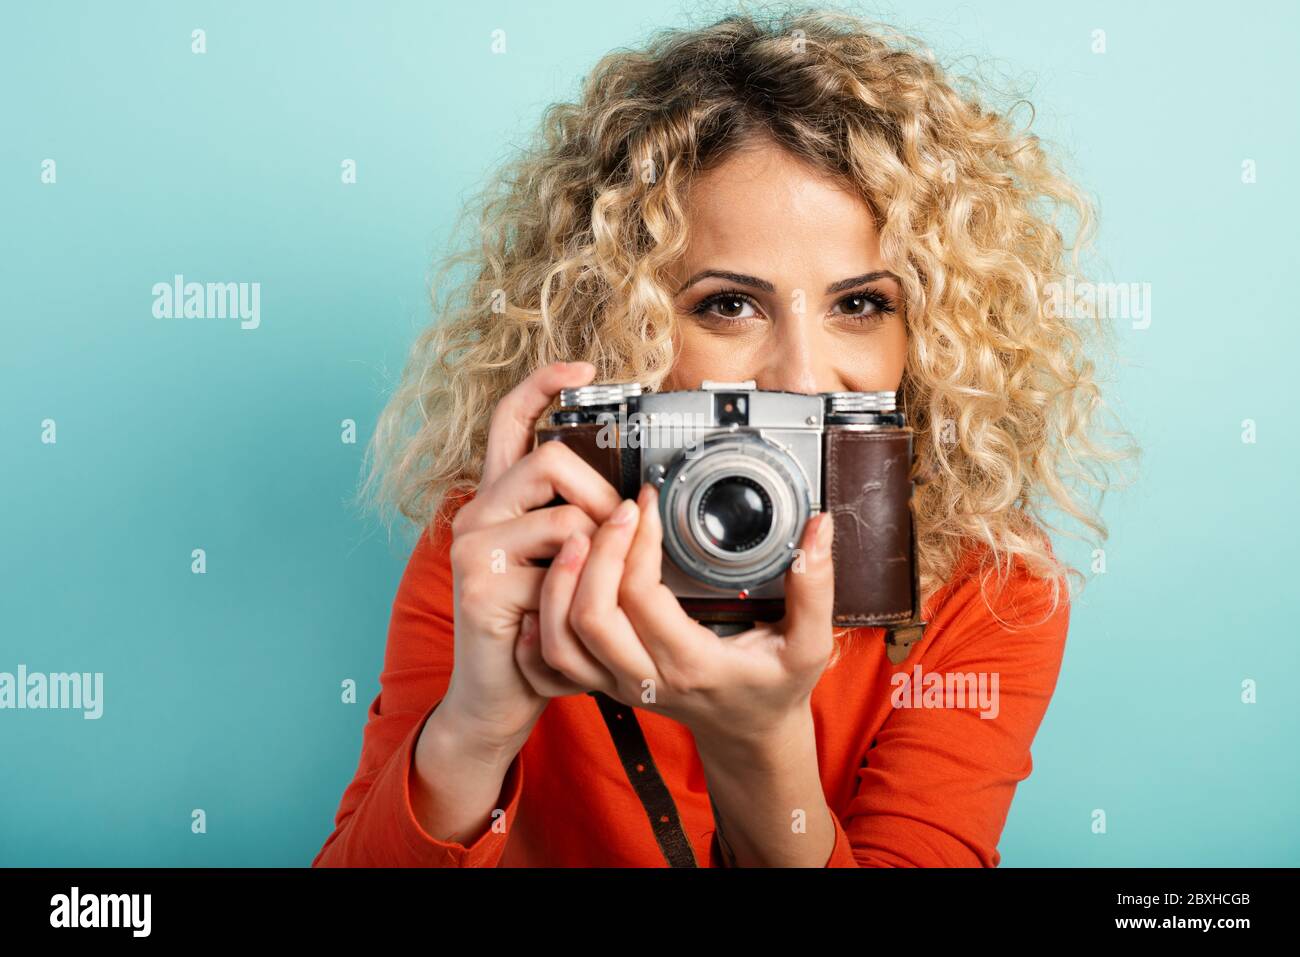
740,472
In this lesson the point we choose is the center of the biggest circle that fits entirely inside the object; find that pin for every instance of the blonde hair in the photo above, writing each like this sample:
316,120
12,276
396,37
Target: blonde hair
578,232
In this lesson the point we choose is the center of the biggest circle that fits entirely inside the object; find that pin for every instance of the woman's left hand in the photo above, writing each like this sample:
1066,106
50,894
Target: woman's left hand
608,623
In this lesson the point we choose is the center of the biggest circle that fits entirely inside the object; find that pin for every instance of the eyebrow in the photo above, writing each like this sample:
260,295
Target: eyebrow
754,282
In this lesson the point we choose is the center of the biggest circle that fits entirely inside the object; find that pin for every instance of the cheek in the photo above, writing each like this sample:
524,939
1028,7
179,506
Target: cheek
895,348
871,361
700,356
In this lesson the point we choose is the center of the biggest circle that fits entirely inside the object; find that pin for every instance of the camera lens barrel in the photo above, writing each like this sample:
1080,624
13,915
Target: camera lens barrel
732,514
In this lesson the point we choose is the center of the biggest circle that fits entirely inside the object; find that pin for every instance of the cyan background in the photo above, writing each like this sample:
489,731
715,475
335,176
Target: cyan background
222,690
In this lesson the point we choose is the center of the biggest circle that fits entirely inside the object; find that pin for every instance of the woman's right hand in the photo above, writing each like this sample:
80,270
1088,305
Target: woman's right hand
489,702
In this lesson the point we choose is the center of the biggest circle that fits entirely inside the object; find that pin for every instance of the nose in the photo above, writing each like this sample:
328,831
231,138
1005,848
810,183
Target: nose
796,360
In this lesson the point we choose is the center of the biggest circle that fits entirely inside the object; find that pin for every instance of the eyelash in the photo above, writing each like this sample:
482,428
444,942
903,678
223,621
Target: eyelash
884,305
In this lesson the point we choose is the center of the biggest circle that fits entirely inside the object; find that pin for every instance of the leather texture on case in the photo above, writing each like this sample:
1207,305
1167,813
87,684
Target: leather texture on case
869,492
582,439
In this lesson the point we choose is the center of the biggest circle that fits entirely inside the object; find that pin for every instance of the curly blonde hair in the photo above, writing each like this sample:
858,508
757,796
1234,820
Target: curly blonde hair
578,233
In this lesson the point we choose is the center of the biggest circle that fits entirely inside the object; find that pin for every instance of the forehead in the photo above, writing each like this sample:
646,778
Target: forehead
763,205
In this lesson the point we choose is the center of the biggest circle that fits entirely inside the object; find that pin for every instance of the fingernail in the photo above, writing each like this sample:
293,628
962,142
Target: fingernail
625,514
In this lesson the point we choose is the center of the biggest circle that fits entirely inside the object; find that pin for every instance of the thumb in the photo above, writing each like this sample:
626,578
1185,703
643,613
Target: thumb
810,587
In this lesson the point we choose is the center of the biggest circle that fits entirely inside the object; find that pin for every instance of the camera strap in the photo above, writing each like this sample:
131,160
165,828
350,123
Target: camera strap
638,764
642,773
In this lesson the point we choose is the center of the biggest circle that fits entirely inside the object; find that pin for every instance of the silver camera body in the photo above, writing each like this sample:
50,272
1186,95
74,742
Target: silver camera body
735,495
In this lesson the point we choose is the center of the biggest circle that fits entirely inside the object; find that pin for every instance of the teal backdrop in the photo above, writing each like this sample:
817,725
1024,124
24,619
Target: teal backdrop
222,690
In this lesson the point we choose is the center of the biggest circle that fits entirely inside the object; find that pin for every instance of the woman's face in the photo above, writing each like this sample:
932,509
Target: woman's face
783,283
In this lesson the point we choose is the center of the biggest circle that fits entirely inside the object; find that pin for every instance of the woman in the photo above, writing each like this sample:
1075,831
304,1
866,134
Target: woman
809,203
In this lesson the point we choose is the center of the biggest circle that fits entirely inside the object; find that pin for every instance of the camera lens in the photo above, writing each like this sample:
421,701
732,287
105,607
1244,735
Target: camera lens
735,513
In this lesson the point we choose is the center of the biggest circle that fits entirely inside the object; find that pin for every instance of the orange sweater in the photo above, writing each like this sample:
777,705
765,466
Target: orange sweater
908,786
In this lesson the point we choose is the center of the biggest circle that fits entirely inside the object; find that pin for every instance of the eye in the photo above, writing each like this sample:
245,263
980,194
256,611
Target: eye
868,306
726,308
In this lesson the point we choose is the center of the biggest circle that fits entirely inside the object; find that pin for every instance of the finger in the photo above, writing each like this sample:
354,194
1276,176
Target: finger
669,634
549,470
535,534
545,680
495,601
510,434
560,647
810,593
595,614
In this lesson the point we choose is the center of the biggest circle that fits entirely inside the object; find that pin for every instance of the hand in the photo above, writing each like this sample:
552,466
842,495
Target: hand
496,589
608,623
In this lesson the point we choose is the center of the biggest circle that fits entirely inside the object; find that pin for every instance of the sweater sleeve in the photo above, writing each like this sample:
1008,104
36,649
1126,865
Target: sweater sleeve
376,825
937,784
